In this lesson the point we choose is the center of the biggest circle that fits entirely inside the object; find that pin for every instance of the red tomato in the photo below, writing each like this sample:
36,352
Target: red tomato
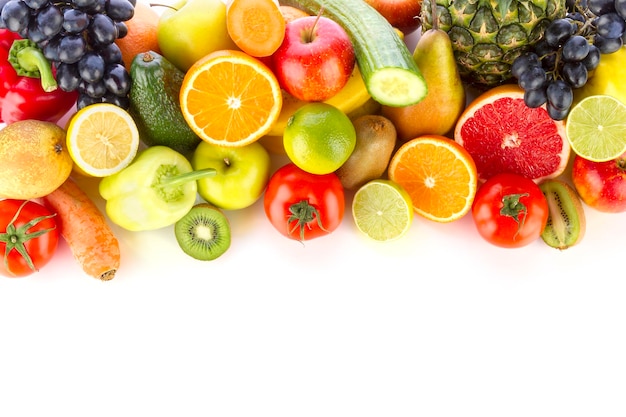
29,236
303,206
510,210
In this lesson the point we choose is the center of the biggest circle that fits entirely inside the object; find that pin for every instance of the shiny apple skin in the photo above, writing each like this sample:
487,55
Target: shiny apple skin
242,173
315,59
601,185
401,14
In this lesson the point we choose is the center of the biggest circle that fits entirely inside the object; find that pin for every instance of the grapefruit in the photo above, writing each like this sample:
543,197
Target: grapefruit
503,134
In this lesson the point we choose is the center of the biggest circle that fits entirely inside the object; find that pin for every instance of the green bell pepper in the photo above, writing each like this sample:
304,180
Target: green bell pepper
156,190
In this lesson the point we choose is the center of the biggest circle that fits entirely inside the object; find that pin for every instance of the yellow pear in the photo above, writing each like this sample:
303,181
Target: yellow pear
33,159
438,112
608,78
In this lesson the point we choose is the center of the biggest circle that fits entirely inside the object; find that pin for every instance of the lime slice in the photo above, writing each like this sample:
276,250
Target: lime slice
382,210
596,128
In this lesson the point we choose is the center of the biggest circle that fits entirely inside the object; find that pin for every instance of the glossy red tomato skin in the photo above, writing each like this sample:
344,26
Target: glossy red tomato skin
40,249
503,230
290,185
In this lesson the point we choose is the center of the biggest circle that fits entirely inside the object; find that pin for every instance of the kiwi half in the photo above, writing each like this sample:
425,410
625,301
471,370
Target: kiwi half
203,233
566,219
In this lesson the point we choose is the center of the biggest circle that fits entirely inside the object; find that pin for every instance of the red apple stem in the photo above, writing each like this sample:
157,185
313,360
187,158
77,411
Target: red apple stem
309,36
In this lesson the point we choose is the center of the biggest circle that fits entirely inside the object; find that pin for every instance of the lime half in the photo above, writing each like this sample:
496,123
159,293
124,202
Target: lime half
382,210
596,128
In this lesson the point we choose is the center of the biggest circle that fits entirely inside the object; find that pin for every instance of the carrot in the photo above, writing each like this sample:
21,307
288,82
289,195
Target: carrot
84,228
256,26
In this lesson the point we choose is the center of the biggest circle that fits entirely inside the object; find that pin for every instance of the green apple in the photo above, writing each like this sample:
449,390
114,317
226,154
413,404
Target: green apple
242,173
190,29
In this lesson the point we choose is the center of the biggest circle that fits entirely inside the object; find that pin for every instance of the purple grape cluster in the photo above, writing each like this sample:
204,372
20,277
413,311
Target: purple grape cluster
570,49
78,38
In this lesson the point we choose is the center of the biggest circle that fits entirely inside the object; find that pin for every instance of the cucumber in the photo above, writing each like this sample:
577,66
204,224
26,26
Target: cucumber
387,66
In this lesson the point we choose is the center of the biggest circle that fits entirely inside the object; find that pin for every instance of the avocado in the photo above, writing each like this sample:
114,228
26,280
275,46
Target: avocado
155,104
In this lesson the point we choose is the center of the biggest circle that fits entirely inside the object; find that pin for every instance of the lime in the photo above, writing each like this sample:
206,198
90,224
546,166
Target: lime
382,210
319,138
596,128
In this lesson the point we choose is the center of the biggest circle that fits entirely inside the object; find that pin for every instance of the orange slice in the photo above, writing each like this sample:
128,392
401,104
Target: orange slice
229,98
439,175
503,134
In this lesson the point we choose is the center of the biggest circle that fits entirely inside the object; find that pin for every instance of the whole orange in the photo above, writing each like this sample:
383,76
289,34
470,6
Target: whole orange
142,33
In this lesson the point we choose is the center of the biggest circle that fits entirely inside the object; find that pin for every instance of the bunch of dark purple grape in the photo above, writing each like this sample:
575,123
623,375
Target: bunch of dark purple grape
78,38
570,49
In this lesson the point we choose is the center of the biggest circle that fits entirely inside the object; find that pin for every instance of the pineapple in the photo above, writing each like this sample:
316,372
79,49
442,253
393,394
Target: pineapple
486,41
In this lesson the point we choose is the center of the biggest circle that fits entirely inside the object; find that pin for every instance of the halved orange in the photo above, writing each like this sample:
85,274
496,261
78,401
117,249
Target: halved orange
503,134
229,98
439,175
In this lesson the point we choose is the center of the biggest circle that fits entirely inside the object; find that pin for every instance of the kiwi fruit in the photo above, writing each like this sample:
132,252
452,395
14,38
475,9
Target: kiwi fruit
375,141
203,233
566,218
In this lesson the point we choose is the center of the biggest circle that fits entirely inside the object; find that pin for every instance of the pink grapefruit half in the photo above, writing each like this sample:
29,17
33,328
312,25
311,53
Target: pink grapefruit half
503,134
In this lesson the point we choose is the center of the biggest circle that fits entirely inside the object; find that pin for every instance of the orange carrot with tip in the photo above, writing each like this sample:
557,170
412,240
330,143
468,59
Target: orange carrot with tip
84,228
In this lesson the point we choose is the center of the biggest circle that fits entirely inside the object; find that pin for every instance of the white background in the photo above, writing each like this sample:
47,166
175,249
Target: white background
439,323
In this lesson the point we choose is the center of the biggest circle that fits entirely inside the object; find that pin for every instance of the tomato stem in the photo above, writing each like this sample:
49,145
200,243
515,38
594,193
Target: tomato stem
16,237
302,213
514,208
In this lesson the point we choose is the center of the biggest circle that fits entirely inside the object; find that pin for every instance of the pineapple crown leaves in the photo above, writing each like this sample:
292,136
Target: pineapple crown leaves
504,5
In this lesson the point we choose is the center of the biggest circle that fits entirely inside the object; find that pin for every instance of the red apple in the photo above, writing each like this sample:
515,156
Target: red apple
601,185
401,14
315,59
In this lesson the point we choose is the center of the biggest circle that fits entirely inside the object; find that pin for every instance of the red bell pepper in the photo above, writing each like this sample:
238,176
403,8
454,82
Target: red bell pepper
28,89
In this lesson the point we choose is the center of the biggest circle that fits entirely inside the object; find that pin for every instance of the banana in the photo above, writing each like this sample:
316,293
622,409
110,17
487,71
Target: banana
371,106
352,96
